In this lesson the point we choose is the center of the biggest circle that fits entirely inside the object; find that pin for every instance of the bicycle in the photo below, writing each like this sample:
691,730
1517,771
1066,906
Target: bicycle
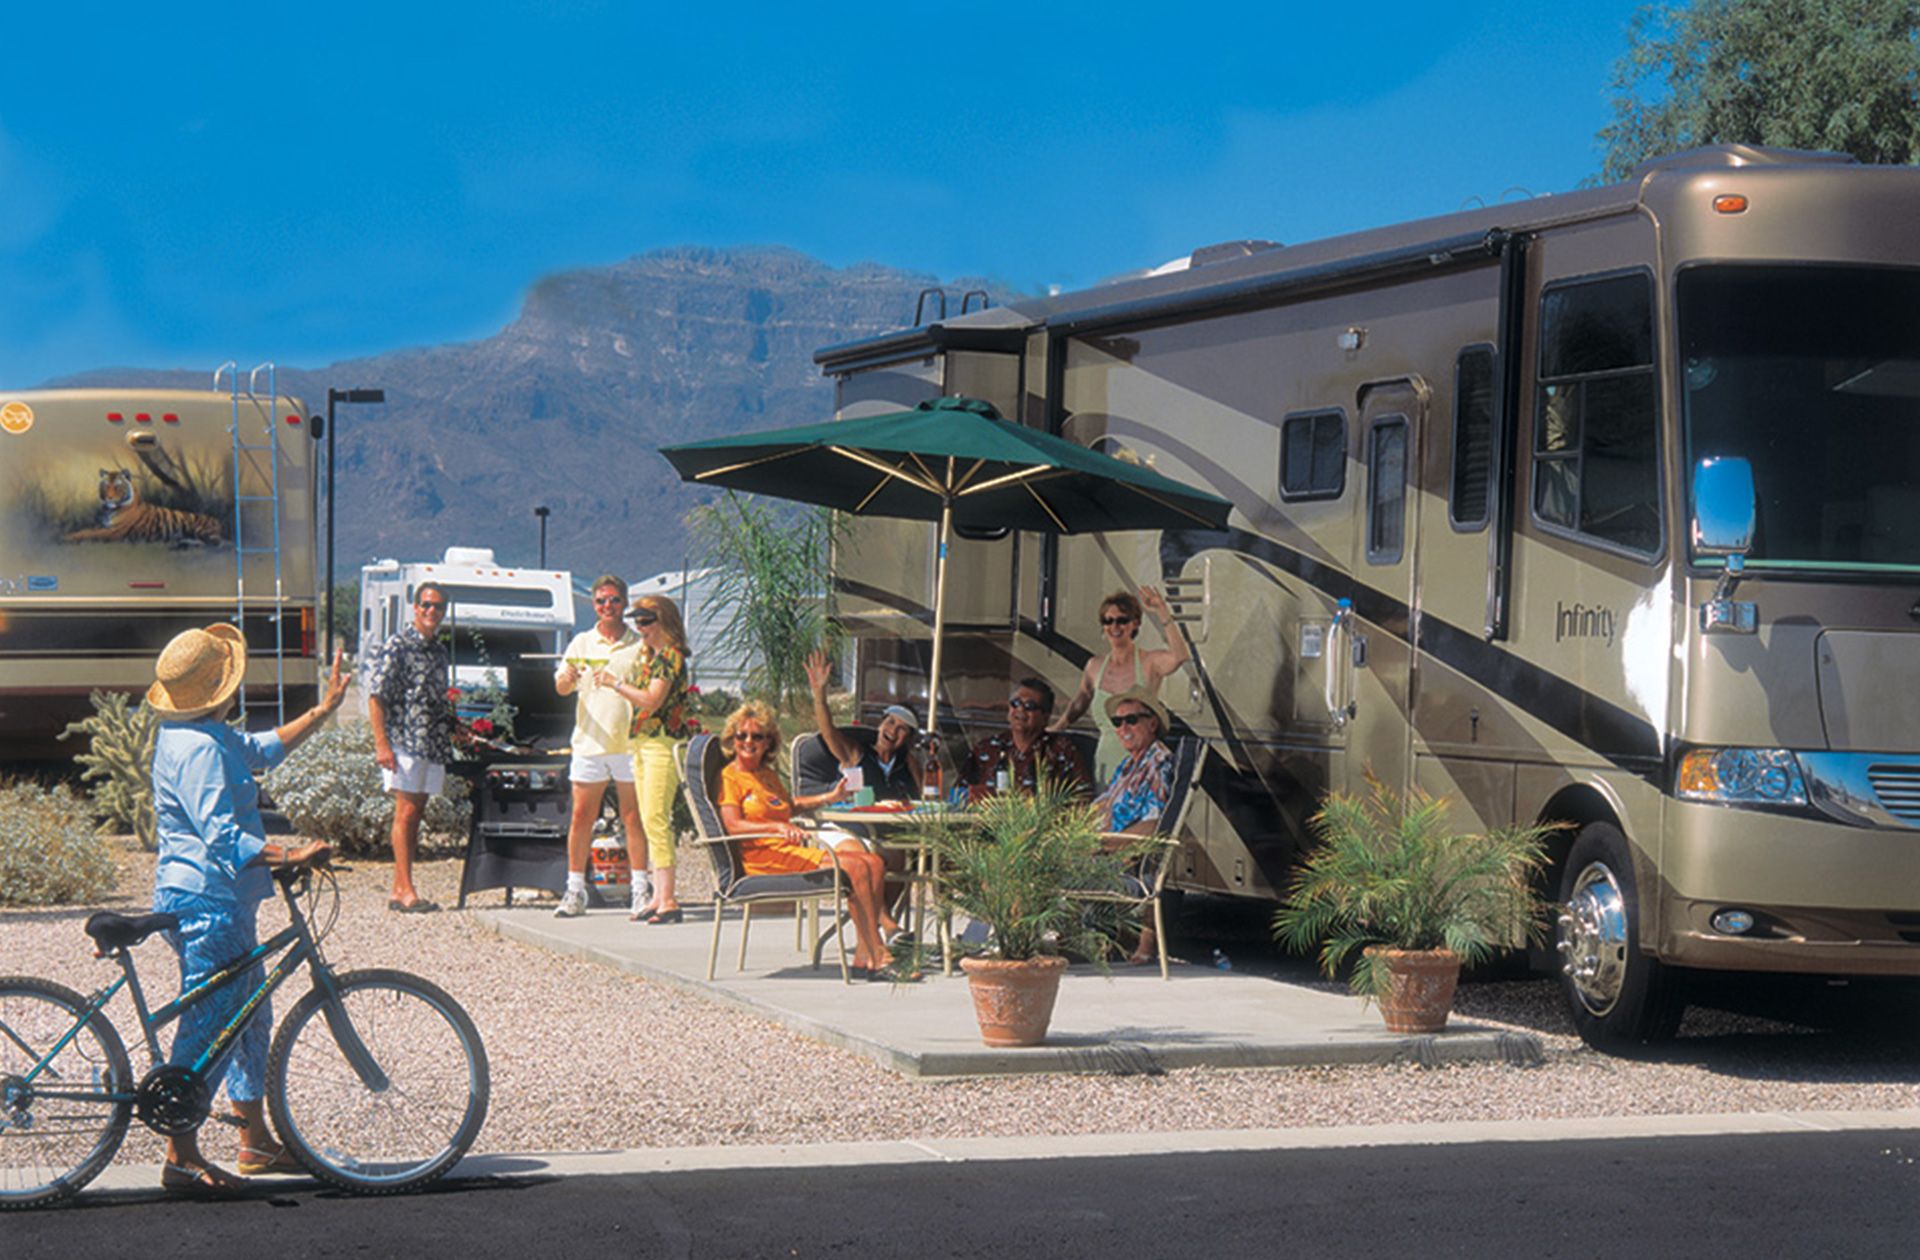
377,1080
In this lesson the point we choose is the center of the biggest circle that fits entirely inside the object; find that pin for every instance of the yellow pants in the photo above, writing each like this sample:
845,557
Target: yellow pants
655,781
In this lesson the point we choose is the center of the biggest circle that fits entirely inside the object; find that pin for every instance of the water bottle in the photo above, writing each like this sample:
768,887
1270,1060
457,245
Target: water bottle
1221,962
1002,781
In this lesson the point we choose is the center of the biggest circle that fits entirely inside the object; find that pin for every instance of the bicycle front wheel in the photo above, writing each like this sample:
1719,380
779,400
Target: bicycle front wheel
428,1093
59,1129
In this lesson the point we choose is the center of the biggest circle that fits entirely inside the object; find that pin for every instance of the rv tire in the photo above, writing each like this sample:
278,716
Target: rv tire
1617,996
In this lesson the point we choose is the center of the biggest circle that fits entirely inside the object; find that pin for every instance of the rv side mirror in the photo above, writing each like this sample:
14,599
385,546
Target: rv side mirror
317,426
1723,506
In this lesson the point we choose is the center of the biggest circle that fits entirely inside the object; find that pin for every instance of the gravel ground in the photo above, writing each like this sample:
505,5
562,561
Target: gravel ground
585,1058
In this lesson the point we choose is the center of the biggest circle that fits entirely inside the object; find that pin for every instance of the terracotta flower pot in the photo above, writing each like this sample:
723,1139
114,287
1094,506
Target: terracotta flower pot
1013,1001
1420,984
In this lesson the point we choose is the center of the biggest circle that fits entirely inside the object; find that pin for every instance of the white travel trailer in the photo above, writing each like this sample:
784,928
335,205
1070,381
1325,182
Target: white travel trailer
495,614
1600,509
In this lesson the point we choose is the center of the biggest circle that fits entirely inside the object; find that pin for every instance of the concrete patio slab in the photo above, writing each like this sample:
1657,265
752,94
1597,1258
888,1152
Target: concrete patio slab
1129,1022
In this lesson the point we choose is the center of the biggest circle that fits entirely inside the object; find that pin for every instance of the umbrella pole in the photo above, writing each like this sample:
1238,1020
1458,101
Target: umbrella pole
939,617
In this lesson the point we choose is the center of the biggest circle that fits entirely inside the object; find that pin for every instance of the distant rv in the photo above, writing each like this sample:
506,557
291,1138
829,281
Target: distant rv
496,616
129,515
1600,509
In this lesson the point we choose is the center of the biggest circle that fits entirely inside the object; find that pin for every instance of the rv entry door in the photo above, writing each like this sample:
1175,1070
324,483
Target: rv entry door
1376,654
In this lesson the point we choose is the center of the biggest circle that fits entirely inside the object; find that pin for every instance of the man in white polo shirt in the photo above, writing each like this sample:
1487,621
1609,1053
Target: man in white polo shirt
600,755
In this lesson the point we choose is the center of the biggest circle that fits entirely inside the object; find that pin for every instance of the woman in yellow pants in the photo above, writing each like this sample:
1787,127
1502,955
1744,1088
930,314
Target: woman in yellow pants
657,690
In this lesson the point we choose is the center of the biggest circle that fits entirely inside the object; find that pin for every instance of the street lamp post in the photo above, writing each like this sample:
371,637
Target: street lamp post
543,512
339,396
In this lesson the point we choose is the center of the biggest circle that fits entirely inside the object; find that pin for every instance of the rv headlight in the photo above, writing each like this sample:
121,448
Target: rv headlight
1741,776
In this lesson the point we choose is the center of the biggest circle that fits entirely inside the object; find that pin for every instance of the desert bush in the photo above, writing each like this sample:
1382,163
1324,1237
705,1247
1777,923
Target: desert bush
330,790
119,762
50,853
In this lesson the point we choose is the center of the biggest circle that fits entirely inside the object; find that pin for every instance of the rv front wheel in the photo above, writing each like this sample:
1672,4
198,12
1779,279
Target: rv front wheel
1617,996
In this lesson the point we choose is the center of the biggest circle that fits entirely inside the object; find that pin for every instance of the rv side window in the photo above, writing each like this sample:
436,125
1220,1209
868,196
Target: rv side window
1595,452
1313,455
1387,491
1472,437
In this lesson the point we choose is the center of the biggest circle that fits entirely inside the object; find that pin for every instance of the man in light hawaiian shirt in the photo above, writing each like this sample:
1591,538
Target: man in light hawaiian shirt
412,730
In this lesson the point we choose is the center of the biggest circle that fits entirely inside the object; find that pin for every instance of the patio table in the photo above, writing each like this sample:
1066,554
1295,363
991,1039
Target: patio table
892,828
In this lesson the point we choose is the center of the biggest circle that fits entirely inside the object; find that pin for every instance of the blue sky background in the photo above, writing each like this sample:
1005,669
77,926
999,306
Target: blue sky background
341,180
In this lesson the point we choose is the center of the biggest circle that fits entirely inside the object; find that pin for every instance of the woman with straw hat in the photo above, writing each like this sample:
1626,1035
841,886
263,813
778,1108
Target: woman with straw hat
211,871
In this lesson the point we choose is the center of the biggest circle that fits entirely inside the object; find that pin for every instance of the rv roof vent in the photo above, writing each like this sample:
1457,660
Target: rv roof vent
1723,155
1226,250
468,555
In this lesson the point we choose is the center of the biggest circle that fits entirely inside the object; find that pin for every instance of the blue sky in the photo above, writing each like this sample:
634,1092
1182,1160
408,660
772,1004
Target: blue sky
345,179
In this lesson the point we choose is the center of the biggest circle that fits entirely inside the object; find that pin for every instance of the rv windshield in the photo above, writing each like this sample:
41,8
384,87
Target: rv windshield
1812,374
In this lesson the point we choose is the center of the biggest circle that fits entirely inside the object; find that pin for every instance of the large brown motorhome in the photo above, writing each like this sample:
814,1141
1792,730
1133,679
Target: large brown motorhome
134,514
1600,508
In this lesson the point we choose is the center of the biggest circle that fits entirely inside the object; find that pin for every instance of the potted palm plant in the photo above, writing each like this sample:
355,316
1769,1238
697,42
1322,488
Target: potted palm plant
1394,881
1012,864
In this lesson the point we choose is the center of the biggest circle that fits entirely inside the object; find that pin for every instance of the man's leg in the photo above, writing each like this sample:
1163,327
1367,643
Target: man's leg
586,807
408,809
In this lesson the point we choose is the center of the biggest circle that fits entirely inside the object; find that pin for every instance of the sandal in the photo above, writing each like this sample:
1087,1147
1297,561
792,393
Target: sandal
256,1161
205,1182
675,915
419,905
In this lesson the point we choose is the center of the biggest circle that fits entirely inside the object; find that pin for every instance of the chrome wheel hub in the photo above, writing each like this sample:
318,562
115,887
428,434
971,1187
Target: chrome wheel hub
1592,938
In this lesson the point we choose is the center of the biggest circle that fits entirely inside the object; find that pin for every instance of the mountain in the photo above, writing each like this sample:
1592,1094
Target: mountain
566,405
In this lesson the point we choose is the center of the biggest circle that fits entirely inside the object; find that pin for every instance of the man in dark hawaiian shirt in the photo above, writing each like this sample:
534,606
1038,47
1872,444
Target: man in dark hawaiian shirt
412,730
1027,749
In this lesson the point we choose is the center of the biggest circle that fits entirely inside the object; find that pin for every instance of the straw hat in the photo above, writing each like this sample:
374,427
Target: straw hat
1141,696
197,672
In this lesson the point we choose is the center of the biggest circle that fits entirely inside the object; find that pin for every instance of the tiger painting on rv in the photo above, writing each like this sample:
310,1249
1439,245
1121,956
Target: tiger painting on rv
133,514
1600,509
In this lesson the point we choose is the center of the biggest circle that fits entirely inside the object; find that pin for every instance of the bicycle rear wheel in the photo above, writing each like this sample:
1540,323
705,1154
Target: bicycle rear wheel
410,1131
51,1147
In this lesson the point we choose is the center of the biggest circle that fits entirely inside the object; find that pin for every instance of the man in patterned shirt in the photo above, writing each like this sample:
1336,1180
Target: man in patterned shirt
412,730
1026,749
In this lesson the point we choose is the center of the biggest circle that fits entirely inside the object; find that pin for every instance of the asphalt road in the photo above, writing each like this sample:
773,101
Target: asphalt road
1816,1194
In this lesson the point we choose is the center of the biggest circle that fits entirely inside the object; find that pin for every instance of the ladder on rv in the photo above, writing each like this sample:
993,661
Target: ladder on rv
256,467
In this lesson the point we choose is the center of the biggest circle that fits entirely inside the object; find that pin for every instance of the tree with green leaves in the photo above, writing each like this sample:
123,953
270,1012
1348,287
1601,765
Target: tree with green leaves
772,561
1837,75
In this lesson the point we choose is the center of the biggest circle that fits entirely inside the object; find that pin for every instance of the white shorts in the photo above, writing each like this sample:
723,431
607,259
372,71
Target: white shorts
591,768
414,774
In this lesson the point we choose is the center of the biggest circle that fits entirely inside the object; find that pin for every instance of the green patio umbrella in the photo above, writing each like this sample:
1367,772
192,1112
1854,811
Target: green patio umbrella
955,461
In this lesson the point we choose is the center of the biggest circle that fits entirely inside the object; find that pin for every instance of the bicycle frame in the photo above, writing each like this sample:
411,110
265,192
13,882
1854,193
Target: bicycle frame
296,939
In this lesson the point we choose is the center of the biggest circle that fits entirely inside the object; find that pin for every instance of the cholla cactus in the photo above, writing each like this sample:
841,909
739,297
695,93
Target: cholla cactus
119,762
49,856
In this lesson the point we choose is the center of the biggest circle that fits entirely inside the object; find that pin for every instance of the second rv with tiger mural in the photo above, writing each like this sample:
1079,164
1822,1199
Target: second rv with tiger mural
119,530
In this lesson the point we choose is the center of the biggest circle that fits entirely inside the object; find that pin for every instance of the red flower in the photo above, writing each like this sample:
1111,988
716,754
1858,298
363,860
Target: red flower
482,726
453,693
693,690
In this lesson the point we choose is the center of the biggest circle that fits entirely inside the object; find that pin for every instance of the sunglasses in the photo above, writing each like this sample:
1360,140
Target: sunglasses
753,737
1128,719
611,599
1116,621
644,618
432,605
1029,706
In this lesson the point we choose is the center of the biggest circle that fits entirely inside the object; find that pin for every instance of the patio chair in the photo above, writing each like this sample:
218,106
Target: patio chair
700,760
1145,882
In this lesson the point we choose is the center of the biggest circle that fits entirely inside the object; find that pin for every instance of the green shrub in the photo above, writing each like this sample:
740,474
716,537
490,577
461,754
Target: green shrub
330,789
119,762
49,852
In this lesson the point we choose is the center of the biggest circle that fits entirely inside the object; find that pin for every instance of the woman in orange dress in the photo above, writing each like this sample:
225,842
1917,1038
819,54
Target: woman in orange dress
754,802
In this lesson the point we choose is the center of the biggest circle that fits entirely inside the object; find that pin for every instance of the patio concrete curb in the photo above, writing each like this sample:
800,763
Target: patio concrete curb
889,1044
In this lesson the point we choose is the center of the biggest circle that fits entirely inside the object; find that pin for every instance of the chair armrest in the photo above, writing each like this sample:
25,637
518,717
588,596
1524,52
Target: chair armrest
731,836
1134,837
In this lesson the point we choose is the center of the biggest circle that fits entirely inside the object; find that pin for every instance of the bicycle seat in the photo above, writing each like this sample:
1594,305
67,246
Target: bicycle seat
112,931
